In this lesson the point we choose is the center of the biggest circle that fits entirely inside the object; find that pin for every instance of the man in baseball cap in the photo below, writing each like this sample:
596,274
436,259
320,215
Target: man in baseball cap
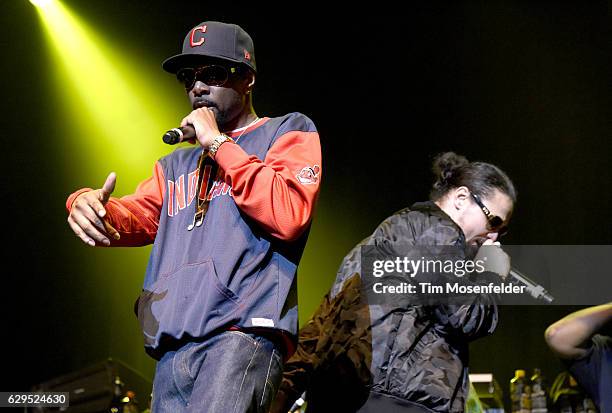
228,220
217,40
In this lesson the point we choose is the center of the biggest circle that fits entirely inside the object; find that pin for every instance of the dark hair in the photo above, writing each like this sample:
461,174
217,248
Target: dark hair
452,171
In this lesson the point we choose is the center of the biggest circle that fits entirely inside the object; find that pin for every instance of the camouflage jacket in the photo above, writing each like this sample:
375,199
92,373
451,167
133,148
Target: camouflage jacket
357,356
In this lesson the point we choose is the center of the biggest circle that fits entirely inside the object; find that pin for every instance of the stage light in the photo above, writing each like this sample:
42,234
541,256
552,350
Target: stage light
106,110
42,3
114,117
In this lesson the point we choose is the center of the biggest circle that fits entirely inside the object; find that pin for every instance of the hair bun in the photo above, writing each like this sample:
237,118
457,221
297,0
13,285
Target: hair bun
445,164
481,178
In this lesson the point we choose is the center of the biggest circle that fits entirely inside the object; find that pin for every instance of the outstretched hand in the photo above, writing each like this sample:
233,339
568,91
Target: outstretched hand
87,215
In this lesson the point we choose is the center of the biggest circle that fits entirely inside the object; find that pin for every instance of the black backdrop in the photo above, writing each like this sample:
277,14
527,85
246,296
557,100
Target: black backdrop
525,85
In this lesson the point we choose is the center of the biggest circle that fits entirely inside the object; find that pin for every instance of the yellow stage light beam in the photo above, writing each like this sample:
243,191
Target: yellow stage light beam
41,3
117,110
110,105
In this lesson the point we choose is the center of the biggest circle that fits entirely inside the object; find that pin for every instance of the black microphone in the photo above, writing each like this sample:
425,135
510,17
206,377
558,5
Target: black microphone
178,135
535,289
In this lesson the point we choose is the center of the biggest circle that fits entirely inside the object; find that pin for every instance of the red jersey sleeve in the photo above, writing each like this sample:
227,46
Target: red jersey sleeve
136,216
279,192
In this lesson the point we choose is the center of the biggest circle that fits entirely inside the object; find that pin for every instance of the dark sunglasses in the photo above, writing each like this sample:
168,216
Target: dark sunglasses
212,75
494,223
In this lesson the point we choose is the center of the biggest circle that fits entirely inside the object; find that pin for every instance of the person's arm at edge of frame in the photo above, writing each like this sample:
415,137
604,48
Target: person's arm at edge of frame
135,217
570,337
268,191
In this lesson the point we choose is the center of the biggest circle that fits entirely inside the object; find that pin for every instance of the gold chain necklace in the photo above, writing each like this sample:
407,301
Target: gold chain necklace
202,203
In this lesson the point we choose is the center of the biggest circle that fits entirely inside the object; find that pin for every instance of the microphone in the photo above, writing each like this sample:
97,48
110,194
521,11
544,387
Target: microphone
178,135
535,289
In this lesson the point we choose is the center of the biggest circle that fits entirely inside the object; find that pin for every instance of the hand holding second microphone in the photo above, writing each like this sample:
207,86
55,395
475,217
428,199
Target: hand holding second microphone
494,258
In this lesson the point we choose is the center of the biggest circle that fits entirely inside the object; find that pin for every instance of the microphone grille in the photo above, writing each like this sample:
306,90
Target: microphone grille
173,136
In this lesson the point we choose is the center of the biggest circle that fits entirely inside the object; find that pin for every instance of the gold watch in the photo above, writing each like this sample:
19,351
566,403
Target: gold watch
216,144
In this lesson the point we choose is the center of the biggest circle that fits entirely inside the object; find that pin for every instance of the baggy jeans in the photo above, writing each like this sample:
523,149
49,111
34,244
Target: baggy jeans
230,372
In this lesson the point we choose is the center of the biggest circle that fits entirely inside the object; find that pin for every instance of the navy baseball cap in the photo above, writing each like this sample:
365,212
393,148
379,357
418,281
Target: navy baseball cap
214,39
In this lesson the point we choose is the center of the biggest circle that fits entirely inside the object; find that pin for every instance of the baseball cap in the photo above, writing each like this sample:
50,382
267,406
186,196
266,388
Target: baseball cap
214,39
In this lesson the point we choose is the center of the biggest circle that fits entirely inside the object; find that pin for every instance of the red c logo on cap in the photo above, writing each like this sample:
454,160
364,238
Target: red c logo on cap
192,41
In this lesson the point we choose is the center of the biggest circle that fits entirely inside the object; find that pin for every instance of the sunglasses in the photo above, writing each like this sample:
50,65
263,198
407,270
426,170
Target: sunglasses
211,75
494,223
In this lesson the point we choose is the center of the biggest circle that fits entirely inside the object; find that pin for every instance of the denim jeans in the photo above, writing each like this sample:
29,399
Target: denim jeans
229,372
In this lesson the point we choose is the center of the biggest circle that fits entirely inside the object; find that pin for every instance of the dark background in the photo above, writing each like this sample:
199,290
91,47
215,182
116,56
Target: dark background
524,85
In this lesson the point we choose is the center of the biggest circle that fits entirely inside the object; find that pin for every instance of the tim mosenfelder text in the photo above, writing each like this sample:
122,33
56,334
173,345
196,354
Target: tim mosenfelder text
449,267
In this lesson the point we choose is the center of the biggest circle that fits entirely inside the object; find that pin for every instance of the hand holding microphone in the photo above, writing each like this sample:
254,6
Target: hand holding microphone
200,124
494,258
